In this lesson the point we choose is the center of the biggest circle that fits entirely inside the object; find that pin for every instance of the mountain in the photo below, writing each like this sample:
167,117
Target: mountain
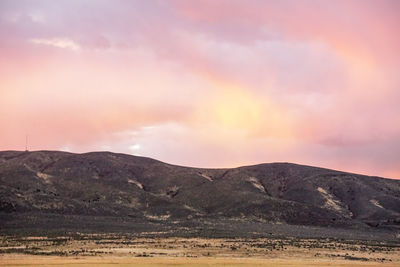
50,189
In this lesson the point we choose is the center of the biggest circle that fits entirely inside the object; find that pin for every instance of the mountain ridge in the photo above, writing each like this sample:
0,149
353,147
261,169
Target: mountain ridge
185,166
144,189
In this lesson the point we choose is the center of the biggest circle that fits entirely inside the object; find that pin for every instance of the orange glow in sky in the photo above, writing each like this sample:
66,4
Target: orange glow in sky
205,83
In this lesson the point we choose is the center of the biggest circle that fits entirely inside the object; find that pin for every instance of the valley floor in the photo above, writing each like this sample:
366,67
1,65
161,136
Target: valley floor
119,250
23,260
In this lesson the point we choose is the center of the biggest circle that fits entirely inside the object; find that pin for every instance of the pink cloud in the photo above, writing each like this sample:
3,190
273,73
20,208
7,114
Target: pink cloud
318,81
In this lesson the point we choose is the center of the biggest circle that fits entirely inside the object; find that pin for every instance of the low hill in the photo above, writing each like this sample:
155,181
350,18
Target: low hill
52,189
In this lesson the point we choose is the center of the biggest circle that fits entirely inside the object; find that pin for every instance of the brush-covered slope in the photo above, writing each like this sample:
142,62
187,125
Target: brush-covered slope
118,185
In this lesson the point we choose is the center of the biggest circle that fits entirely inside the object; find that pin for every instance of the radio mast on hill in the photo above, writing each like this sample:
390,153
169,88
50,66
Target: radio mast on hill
26,143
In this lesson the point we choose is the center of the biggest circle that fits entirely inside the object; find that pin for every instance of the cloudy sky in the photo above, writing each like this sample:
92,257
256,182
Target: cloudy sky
205,83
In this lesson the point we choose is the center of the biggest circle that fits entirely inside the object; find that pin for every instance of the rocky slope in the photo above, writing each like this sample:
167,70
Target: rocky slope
125,186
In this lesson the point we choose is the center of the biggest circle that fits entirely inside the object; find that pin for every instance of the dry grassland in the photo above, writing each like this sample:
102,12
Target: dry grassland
109,250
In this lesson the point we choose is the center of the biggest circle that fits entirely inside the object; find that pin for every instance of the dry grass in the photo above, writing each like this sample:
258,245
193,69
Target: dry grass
25,260
110,250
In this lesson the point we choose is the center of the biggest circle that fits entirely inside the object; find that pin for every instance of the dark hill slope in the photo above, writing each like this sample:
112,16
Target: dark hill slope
125,186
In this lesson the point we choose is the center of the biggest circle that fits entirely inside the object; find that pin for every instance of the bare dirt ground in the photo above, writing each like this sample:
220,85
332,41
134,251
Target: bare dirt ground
110,250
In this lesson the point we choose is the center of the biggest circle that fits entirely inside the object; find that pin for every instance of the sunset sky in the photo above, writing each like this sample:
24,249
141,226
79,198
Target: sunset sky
205,83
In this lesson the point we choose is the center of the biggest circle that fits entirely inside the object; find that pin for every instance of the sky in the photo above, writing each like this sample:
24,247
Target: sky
205,83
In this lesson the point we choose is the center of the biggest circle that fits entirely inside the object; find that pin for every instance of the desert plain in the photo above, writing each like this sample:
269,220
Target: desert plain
124,250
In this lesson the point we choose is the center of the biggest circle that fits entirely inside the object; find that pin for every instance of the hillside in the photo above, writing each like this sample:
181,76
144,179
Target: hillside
51,190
